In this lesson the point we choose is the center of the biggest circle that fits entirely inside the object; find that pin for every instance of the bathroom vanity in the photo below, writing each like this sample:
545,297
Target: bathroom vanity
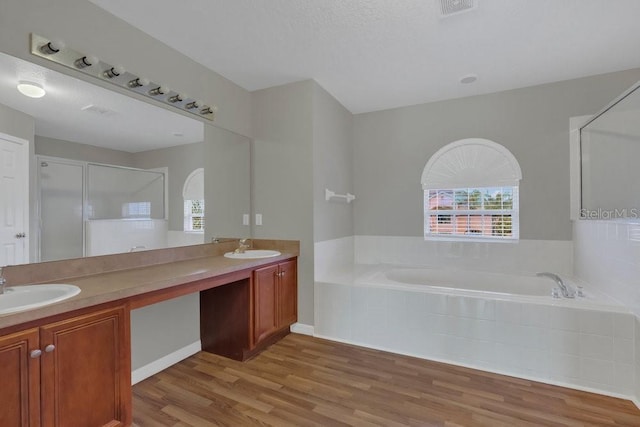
69,363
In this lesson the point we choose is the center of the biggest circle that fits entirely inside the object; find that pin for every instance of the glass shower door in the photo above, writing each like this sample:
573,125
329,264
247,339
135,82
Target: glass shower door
61,209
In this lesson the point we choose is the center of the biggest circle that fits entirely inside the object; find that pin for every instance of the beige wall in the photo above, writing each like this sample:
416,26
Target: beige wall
180,161
332,166
392,147
227,183
282,181
82,152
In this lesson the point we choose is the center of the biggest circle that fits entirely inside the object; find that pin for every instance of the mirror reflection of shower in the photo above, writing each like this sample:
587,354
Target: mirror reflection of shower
88,209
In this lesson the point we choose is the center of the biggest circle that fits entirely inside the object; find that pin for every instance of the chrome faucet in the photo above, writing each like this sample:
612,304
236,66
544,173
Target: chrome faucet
243,246
3,282
567,292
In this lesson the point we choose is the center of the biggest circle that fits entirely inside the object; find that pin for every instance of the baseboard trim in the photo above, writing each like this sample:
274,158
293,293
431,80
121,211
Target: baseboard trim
636,402
301,328
164,362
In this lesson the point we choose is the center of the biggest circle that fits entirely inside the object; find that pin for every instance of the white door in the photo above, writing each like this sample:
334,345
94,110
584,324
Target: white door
14,201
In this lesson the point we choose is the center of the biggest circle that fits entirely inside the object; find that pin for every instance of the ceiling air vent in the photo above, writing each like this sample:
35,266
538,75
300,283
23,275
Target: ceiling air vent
452,7
100,111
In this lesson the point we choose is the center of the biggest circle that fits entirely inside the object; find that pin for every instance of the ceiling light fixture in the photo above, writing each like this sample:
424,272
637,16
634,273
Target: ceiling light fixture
86,61
31,89
89,65
193,104
113,72
207,110
178,97
52,47
469,78
160,90
138,82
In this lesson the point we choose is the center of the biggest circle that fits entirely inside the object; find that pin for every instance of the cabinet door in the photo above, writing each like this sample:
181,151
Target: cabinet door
265,315
287,294
86,377
20,378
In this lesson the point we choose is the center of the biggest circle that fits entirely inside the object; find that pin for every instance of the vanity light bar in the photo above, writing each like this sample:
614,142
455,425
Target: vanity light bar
90,65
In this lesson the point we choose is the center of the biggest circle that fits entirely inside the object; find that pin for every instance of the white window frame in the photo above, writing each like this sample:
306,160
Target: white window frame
192,191
190,215
456,214
468,164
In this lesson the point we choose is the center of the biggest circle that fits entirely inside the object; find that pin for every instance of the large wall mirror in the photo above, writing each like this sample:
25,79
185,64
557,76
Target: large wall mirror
609,154
108,173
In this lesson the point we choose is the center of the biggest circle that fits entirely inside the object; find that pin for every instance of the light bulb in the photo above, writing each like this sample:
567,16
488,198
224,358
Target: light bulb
86,61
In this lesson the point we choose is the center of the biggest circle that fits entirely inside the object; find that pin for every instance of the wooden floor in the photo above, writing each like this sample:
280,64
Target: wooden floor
304,381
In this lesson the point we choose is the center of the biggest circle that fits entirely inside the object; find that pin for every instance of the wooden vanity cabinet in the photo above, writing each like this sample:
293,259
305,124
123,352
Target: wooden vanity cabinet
20,377
275,300
240,318
73,372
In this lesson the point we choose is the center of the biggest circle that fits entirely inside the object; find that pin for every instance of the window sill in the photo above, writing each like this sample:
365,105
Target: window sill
467,239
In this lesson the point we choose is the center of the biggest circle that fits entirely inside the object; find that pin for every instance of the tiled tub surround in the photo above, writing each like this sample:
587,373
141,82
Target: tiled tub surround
584,343
607,254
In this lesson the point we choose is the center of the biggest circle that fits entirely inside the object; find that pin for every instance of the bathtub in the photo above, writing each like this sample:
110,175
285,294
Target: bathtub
525,287
503,323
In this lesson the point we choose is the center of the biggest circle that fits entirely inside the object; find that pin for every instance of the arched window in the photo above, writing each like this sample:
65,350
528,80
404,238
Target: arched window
193,195
471,192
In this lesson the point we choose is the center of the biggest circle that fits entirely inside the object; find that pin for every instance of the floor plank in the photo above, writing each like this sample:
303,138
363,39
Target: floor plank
305,381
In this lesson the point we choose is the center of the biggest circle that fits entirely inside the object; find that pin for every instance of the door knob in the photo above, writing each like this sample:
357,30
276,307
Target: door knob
49,348
35,354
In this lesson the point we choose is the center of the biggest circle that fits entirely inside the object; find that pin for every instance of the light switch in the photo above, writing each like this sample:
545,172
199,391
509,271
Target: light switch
258,219
245,219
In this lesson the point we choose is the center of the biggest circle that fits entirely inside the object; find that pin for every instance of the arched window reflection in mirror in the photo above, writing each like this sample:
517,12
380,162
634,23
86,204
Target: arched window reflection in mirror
193,195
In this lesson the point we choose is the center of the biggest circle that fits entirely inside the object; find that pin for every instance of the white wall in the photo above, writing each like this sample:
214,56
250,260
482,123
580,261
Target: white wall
392,147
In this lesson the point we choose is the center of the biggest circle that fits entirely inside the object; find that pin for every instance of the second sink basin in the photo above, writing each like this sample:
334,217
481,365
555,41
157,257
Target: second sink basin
253,254
18,298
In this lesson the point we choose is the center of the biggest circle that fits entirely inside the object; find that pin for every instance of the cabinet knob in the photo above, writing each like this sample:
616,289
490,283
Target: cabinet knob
49,348
35,353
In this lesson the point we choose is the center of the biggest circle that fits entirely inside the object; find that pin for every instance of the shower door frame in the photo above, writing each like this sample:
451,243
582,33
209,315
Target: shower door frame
85,196
38,201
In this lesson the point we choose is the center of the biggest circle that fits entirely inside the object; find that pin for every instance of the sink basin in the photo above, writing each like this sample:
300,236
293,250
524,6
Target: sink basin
18,298
252,254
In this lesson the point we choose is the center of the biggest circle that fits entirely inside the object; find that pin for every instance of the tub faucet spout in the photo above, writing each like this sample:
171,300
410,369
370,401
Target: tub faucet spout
567,292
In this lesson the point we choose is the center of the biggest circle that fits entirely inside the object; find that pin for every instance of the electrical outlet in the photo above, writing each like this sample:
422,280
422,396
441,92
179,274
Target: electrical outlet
245,219
258,219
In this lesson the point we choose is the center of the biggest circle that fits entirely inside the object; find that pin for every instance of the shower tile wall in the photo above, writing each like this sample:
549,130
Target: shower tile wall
607,256
524,256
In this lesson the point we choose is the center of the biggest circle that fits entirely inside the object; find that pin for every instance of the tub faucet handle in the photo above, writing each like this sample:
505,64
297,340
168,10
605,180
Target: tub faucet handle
567,292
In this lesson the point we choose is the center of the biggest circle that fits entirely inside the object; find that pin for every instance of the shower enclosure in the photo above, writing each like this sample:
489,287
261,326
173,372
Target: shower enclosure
88,209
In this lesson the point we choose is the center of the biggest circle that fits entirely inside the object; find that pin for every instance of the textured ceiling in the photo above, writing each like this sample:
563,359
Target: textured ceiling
379,54
128,125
